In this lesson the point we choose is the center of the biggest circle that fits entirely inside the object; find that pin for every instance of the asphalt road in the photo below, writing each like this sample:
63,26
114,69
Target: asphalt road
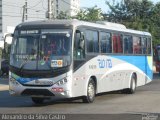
145,100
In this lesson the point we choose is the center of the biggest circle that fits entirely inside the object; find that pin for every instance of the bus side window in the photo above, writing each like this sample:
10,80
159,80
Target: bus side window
79,49
117,43
144,45
137,45
92,41
148,45
105,42
128,44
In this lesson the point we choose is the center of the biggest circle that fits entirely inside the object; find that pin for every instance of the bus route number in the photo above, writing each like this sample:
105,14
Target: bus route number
105,63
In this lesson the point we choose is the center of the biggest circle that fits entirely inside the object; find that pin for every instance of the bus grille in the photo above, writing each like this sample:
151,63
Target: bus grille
40,92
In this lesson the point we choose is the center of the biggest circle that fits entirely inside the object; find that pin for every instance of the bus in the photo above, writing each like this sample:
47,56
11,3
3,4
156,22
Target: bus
77,59
157,57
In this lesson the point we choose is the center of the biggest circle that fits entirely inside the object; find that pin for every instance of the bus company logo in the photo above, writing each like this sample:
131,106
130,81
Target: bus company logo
105,63
56,63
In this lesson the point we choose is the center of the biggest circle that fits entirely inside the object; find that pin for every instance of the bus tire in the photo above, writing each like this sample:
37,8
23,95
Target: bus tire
37,100
91,91
132,88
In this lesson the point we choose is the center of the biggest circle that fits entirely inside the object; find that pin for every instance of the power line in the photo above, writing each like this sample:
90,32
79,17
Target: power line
43,5
69,4
41,1
35,4
21,7
20,13
21,16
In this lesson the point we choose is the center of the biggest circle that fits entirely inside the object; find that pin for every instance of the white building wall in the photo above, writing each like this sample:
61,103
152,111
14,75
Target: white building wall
71,7
75,7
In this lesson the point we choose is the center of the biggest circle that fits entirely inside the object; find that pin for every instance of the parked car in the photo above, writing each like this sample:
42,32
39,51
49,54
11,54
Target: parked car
4,67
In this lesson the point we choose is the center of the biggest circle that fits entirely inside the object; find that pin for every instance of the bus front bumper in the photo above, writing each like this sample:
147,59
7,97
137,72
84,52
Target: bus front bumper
16,89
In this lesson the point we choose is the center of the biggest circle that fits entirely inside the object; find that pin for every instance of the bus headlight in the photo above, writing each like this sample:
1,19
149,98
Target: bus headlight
14,81
62,82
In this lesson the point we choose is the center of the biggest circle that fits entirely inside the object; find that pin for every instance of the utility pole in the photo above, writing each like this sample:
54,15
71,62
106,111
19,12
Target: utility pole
23,13
26,10
50,12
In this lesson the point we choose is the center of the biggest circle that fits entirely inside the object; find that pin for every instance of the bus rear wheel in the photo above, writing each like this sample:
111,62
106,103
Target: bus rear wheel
37,100
91,91
132,88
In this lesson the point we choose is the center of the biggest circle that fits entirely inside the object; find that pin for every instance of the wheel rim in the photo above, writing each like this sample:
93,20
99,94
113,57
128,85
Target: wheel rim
91,91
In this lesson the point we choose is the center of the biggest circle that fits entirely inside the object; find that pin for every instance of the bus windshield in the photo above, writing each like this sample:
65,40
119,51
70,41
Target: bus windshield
44,50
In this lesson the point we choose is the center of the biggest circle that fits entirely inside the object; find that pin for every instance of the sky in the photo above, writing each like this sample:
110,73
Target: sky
100,3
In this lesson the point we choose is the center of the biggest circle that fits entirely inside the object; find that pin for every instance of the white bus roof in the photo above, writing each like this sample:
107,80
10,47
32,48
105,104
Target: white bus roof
77,23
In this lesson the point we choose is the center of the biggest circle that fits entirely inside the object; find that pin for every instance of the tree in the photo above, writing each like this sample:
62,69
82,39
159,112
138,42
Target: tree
63,15
155,19
137,14
90,14
81,15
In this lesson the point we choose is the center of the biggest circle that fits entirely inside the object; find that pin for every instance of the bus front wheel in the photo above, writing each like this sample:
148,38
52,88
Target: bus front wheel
91,91
37,100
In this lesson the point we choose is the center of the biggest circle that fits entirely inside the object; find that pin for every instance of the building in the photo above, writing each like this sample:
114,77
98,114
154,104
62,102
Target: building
71,7
13,12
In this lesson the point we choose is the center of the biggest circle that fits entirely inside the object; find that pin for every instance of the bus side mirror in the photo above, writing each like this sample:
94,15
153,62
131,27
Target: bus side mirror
7,43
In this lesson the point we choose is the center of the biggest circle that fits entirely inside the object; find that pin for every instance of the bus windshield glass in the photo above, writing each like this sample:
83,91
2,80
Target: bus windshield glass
44,49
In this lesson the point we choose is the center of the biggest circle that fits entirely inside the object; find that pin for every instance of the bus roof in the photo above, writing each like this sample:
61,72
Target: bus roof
77,23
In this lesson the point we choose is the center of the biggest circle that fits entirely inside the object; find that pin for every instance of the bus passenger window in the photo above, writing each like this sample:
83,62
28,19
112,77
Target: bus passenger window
148,45
105,42
92,41
128,44
144,45
137,45
79,53
117,43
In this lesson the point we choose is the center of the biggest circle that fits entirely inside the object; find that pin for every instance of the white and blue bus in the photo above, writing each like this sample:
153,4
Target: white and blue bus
71,58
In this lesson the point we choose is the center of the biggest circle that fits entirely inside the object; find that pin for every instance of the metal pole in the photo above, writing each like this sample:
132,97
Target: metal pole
23,13
50,9
26,9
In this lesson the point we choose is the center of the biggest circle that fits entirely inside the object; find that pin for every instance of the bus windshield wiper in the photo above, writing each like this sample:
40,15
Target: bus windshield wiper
23,64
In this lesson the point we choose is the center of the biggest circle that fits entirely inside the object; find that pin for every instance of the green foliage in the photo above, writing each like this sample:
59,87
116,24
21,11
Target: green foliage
90,14
63,15
137,14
